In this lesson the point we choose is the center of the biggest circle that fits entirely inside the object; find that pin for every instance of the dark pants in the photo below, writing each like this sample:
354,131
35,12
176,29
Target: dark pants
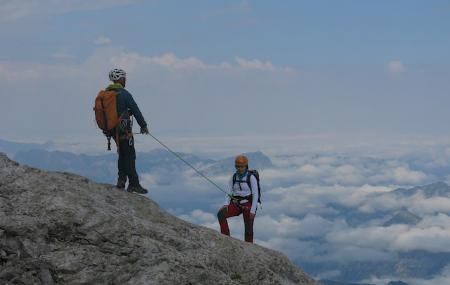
232,210
127,162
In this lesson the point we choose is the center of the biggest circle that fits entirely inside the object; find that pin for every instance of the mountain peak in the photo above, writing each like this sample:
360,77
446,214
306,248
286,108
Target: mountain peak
63,228
257,160
404,217
436,189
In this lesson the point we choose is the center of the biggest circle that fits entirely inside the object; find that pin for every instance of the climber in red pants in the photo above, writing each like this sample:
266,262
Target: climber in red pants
244,198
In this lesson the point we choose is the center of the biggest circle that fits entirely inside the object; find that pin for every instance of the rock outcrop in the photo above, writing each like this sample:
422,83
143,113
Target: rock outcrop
60,228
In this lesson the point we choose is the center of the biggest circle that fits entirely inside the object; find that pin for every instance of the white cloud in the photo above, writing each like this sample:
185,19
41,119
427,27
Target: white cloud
23,72
431,235
347,175
351,253
395,67
344,171
100,62
63,55
309,170
171,61
418,204
201,217
370,237
255,64
301,199
313,198
294,248
332,274
440,279
433,239
289,227
11,10
443,279
398,173
380,203
148,180
102,40
404,175
440,220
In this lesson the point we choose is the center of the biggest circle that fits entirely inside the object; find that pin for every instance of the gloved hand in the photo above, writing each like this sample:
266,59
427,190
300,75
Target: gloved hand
144,131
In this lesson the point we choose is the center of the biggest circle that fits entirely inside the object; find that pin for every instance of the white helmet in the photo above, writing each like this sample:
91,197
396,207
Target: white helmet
116,73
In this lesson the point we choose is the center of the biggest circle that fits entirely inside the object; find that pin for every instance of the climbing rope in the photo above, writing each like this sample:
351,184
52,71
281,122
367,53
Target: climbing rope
190,165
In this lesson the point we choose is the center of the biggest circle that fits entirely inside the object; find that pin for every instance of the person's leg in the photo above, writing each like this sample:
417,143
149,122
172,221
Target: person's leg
130,168
225,212
130,162
248,224
122,175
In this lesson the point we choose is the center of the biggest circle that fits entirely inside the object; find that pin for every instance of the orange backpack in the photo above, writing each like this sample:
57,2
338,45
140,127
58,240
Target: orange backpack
106,114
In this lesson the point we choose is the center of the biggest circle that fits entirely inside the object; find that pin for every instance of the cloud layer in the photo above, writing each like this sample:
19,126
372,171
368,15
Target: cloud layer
330,209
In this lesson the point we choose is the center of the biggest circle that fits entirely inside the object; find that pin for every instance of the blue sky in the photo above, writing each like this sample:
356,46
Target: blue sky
206,67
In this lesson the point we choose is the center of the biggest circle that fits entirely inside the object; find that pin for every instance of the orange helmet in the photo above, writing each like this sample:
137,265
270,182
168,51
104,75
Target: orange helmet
241,160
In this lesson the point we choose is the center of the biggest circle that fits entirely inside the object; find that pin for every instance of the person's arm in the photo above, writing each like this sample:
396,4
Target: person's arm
227,198
255,194
131,104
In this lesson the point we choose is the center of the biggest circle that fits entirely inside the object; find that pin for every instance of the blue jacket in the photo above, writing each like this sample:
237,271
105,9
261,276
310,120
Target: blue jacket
126,102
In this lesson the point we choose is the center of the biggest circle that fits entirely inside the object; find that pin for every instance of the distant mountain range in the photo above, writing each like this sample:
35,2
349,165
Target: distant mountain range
11,148
438,189
103,168
257,160
329,282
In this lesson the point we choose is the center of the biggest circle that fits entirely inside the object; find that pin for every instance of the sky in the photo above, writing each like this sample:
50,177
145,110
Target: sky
228,68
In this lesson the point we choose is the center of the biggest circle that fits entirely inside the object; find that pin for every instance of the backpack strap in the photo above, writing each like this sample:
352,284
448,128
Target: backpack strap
249,175
106,123
254,173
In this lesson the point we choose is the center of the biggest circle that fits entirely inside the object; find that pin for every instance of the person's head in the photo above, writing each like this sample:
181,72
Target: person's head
241,164
117,75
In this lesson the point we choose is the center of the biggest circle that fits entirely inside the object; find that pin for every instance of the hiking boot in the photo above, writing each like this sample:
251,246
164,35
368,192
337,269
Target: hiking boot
137,189
121,183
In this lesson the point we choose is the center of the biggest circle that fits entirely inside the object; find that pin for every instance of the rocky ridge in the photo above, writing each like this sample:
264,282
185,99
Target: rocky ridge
60,228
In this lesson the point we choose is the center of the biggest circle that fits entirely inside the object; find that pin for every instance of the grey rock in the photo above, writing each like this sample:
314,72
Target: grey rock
60,228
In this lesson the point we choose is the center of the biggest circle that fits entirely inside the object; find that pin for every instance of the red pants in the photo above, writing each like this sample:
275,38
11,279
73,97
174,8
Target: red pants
233,209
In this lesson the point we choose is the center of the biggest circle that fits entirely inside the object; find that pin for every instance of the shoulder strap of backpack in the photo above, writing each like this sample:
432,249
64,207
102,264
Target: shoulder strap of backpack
249,175
254,173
